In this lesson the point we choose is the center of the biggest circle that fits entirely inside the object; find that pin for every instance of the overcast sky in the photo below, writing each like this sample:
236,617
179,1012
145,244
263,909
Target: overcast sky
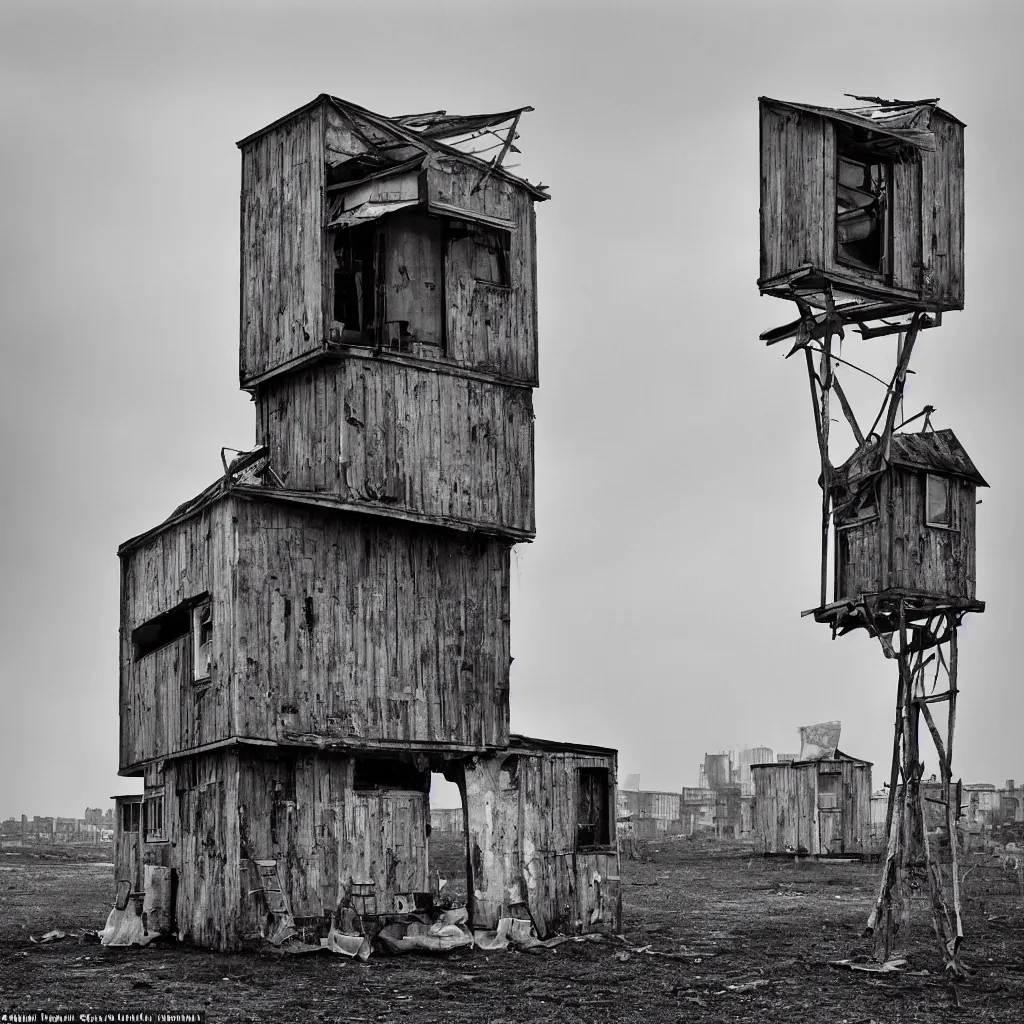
677,504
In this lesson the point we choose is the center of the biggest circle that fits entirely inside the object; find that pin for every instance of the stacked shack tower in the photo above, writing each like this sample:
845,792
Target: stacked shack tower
308,639
862,227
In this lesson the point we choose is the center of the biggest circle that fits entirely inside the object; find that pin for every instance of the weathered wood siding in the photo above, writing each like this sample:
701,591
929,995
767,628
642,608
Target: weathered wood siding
898,550
792,190
792,813
282,258
906,225
302,811
521,821
492,328
383,433
127,846
162,710
929,558
942,230
368,630
798,198
859,559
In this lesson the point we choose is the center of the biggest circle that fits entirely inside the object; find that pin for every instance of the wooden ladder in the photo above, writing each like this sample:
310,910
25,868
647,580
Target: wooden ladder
277,905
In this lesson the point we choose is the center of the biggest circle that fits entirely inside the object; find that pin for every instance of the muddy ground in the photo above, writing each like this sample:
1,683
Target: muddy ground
737,938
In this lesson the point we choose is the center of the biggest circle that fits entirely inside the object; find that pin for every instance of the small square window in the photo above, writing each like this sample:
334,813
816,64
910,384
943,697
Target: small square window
130,815
937,503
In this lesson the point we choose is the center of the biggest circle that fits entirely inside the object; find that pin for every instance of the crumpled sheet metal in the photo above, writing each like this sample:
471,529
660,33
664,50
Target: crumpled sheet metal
450,931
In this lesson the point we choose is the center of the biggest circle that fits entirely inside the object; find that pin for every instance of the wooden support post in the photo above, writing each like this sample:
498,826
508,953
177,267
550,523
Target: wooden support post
911,859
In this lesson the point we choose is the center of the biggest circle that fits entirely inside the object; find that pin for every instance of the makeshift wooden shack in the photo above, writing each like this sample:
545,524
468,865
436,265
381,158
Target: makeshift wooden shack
820,807
819,804
541,830
870,198
303,643
905,522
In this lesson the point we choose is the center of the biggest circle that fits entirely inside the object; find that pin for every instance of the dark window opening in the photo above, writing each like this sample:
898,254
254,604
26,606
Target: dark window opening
162,630
130,816
938,510
357,253
154,818
592,810
863,187
389,773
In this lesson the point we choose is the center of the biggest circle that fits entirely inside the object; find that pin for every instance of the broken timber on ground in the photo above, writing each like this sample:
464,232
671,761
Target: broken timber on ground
862,227
303,643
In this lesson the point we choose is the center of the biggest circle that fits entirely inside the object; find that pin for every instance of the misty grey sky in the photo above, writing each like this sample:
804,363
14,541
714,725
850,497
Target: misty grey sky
658,610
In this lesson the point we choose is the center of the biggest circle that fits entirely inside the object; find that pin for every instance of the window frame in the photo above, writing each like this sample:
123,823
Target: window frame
204,605
150,834
947,483
132,811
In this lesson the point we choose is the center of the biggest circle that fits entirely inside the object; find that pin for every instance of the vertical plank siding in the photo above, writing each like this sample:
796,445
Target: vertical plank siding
898,550
282,250
926,558
521,821
302,811
790,816
162,711
942,214
492,328
798,197
383,433
369,630
792,190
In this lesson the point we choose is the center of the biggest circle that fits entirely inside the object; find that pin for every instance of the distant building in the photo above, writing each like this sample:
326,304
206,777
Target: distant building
741,766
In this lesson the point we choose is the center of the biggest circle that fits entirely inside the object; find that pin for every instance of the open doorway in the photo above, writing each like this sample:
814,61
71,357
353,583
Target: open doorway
447,856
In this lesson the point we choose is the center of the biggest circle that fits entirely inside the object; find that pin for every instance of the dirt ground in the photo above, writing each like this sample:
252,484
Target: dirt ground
731,937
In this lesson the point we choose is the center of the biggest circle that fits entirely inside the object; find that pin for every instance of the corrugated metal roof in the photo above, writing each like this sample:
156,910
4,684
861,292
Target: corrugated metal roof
935,451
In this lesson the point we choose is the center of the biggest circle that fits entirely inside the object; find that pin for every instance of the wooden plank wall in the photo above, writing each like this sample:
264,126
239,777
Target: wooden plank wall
529,815
301,810
201,847
792,185
414,276
786,812
369,630
942,228
392,434
928,558
492,328
859,565
282,257
906,225
162,711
